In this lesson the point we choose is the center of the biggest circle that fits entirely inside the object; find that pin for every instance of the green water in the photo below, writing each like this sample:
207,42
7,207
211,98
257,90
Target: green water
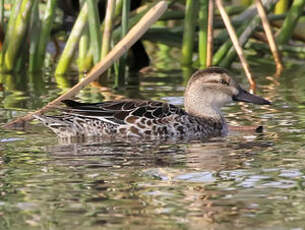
243,181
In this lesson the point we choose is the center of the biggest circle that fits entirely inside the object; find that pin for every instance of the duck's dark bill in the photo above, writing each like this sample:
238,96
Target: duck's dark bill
251,98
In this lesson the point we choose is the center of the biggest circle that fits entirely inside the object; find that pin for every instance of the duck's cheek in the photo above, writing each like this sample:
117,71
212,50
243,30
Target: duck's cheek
222,100
229,99
230,91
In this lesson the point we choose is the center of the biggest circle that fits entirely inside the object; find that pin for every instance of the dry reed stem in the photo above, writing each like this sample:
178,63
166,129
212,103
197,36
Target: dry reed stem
271,41
209,60
132,36
236,45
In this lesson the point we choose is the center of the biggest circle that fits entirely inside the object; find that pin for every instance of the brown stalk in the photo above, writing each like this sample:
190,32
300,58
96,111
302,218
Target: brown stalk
209,60
133,35
236,44
270,37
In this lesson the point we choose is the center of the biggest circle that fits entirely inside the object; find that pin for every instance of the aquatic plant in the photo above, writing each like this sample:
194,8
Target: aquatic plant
28,27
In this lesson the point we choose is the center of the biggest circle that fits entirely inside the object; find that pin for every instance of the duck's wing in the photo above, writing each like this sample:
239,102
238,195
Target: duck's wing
122,112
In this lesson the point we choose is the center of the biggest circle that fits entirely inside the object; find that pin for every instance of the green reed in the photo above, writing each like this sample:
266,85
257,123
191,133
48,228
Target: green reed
290,21
120,77
35,28
191,11
281,7
94,30
72,42
85,57
106,42
16,37
244,31
203,35
2,13
28,26
46,26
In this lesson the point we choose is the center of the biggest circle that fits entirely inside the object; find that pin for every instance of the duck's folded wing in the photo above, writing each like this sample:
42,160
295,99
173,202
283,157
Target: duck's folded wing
121,112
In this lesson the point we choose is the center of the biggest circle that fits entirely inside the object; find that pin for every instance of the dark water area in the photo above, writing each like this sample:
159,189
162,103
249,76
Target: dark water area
242,181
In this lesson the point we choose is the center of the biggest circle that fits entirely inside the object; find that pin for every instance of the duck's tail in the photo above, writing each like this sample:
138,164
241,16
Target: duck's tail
61,127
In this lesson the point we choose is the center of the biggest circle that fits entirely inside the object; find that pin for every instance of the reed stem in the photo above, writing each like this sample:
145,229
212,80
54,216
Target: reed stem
34,37
83,51
108,28
85,57
46,26
236,44
281,7
248,29
9,30
210,42
17,37
120,77
297,51
2,26
191,11
2,13
270,37
67,54
134,18
94,30
225,47
290,22
133,35
203,32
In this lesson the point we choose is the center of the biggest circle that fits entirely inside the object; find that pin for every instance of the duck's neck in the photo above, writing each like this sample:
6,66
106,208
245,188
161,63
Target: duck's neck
204,111
198,107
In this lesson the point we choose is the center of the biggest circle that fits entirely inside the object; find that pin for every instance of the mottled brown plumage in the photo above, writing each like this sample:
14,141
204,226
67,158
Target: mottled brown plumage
207,91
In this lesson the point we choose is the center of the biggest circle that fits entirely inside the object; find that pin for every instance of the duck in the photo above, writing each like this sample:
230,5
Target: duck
207,91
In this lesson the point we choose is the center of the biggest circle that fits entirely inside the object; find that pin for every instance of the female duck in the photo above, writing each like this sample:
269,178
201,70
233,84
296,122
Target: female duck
206,93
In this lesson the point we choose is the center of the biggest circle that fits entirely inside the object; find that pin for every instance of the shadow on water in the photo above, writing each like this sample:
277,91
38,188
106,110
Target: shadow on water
243,181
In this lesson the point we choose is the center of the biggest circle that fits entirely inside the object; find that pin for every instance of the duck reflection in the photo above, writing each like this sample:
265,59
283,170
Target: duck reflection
157,179
214,154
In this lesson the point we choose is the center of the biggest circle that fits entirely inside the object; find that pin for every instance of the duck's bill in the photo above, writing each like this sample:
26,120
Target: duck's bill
245,96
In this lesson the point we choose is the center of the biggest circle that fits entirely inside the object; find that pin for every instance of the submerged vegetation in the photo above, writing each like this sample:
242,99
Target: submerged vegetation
77,35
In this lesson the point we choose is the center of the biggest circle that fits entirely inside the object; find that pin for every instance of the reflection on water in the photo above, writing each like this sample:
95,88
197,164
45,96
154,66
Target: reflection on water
243,181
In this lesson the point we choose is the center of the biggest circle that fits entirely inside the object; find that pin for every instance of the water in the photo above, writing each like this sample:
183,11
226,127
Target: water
243,181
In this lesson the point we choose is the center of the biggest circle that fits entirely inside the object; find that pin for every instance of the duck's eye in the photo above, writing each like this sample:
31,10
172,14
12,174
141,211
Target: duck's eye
224,82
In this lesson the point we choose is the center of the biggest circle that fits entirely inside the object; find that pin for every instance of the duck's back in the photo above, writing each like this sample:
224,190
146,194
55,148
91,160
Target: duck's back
124,118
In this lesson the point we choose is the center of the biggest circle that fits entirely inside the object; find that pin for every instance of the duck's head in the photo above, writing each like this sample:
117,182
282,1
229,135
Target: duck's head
210,89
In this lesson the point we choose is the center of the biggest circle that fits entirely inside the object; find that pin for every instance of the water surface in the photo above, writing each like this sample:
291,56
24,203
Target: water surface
243,181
